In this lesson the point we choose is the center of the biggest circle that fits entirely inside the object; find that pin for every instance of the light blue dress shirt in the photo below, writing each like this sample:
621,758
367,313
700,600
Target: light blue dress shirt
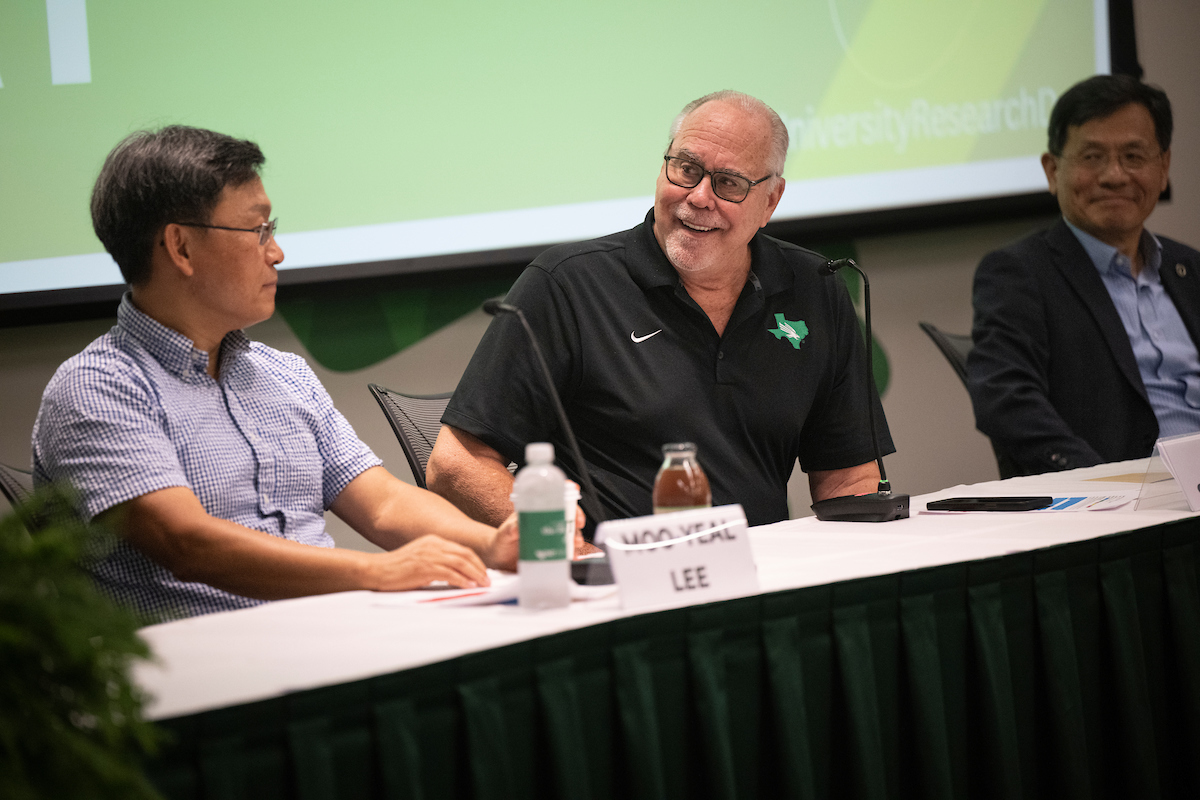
1165,353
136,411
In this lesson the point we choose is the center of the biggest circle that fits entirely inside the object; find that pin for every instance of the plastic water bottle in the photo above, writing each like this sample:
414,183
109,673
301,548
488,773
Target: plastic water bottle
543,569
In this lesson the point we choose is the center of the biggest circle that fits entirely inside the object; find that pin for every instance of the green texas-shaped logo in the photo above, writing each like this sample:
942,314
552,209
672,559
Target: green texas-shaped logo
793,332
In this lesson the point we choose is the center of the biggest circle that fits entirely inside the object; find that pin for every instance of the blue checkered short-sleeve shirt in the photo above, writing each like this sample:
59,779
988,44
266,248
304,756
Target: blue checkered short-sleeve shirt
136,412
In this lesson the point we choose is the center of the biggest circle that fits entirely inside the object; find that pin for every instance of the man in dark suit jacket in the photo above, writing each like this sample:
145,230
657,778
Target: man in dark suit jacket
1086,333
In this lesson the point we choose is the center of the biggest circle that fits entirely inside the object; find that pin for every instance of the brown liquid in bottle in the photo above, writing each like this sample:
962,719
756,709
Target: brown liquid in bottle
681,483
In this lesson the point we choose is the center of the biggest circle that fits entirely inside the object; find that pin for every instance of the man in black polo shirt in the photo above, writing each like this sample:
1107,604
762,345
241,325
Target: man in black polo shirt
693,326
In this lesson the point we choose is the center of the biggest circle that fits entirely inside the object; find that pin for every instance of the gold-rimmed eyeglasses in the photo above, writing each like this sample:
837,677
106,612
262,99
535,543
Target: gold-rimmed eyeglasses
1131,161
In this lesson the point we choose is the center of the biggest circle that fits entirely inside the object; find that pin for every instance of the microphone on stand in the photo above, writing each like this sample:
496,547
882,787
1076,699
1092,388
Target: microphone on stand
882,505
588,499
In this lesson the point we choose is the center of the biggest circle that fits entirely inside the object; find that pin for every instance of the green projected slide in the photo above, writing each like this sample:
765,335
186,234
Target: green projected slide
406,130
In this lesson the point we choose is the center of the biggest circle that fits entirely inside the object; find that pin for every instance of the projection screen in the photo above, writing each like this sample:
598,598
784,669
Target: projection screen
438,133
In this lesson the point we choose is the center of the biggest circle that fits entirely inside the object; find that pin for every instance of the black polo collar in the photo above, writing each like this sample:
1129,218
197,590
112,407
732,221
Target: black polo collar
649,267
647,263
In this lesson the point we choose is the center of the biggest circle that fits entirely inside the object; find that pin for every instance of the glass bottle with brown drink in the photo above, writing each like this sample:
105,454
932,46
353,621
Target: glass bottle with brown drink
681,483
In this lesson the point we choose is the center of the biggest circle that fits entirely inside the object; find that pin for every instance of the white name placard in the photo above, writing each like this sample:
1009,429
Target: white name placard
681,558
1181,456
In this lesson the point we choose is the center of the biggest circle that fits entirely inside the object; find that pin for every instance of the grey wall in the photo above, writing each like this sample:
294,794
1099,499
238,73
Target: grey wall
920,276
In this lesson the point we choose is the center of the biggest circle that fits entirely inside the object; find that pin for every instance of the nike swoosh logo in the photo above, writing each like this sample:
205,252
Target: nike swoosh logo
640,339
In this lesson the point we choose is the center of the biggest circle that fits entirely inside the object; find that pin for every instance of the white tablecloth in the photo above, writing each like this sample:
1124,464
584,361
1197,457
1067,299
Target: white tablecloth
238,657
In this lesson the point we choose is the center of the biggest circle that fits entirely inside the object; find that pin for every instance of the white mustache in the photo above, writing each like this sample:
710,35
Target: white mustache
696,223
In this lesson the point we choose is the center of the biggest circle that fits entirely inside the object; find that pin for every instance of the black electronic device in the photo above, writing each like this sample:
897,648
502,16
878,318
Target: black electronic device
588,497
990,504
881,505
592,572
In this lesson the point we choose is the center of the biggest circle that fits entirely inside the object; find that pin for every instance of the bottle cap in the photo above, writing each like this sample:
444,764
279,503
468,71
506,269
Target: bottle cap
678,447
539,453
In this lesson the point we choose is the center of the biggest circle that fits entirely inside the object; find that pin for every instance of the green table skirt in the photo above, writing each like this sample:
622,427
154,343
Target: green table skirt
1067,672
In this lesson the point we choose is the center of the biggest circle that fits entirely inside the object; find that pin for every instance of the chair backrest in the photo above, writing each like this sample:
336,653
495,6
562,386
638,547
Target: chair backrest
15,484
954,347
416,419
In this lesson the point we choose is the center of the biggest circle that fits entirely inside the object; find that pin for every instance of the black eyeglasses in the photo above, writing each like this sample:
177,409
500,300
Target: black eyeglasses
725,185
264,231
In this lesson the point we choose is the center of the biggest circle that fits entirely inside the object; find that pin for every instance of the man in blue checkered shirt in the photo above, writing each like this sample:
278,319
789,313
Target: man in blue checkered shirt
215,457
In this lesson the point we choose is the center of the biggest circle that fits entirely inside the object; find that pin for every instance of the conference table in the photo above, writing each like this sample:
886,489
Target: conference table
1034,654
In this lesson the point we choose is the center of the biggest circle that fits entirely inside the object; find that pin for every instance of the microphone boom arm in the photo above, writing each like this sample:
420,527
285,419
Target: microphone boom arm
882,506
831,268
589,490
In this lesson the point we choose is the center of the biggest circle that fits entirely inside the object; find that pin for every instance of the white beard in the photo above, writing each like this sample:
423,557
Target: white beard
684,258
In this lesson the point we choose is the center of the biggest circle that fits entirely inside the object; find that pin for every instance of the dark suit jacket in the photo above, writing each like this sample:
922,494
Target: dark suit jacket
1052,374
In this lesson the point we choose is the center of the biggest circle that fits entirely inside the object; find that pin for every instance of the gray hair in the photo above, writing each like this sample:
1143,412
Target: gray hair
751,105
153,178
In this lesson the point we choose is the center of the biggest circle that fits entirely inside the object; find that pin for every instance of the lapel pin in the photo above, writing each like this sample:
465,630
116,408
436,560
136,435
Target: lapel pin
1181,270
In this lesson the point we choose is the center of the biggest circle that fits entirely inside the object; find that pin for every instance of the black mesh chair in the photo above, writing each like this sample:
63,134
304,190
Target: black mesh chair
15,484
416,419
955,347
